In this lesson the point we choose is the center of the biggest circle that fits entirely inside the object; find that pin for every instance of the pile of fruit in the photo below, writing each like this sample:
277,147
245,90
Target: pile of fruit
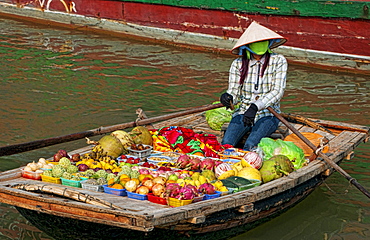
185,177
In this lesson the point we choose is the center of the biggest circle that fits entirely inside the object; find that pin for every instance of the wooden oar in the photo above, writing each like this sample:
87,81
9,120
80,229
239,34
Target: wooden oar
352,180
28,146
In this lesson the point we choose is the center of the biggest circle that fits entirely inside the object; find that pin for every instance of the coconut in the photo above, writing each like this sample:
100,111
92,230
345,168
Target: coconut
111,145
276,167
141,135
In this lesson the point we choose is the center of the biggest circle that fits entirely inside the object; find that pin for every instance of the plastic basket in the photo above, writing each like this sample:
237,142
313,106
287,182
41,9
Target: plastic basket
114,191
254,183
174,202
141,153
137,196
198,199
50,179
52,162
158,159
96,188
156,199
230,161
31,175
71,183
230,191
212,196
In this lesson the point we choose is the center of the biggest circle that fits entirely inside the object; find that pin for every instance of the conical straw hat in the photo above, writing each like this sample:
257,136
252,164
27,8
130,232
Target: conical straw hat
255,33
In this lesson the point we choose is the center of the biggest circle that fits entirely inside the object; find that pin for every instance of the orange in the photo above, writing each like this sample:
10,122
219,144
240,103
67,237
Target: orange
123,182
136,180
124,176
117,186
170,181
141,177
111,181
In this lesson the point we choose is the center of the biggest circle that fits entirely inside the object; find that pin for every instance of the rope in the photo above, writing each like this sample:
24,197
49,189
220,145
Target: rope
322,145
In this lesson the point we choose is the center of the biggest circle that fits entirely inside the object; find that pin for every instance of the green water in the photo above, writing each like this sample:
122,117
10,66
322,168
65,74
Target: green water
56,82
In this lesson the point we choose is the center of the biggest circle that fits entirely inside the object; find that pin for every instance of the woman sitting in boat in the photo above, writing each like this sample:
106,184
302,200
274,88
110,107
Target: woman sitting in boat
256,80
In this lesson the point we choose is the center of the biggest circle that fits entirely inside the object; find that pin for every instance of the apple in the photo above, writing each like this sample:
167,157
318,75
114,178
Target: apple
173,177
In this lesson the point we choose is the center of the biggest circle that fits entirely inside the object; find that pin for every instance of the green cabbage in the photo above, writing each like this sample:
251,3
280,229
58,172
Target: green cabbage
217,117
272,147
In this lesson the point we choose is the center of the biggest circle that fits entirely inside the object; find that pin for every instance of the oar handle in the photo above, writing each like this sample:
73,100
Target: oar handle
352,180
28,146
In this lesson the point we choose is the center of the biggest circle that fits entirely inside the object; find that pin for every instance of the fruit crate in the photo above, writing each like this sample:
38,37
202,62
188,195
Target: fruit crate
31,175
141,153
52,162
230,191
137,196
155,199
254,183
96,188
71,183
198,199
114,191
174,202
50,179
212,196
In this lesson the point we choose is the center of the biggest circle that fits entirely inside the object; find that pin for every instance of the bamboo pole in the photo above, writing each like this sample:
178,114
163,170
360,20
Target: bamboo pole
28,146
352,180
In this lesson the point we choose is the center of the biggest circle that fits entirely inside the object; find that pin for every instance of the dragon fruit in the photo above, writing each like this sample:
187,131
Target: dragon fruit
218,162
172,190
193,164
194,189
207,164
206,188
182,161
186,193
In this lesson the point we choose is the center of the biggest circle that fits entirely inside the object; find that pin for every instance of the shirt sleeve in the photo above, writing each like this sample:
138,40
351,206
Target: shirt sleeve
278,81
234,76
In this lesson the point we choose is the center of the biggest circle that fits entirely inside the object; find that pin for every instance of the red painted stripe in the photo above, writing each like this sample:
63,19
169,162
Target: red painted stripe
339,35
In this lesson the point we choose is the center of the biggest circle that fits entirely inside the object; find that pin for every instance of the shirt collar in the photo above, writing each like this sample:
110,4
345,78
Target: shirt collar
254,61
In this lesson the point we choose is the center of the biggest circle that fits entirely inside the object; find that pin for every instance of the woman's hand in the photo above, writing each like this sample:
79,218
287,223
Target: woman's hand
226,100
250,115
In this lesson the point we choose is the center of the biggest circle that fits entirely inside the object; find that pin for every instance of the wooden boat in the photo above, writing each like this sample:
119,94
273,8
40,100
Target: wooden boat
123,218
340,24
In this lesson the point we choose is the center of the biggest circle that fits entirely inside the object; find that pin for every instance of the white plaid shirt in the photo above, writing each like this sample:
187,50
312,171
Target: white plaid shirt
268,91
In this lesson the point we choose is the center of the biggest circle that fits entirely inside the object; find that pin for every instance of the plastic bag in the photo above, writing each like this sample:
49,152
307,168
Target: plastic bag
272,147
217,117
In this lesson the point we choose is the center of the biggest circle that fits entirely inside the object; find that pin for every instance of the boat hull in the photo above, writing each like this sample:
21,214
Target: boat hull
231,222
326,40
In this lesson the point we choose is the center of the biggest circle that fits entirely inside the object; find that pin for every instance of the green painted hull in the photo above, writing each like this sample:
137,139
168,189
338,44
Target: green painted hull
303,8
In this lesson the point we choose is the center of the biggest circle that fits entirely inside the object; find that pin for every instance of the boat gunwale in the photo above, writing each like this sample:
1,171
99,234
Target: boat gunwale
163,214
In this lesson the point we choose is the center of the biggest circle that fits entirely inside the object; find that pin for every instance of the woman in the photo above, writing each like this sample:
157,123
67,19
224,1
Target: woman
256,80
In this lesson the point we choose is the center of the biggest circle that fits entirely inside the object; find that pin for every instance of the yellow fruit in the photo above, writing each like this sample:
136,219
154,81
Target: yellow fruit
79,162
250,173
195,176
117,186
202,179
141,177
218,184
197,183
111,182
226,174
238,165
223,189
124,176
136,180
245,163
191,182
235,170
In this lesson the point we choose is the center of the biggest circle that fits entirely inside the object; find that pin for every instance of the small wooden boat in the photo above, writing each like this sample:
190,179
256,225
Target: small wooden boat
97,215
